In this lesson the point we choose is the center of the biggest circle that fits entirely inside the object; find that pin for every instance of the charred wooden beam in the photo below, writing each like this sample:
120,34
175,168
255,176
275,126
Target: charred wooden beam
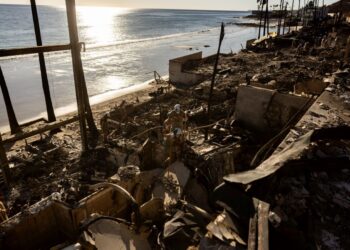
33,50
4,165
78,70
47,127
222,35
45,81
14,126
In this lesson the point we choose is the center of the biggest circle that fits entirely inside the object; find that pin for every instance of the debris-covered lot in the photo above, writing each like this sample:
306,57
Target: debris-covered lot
273,171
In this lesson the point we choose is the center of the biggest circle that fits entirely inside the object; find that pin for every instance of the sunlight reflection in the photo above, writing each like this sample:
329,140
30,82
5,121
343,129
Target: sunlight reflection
98,23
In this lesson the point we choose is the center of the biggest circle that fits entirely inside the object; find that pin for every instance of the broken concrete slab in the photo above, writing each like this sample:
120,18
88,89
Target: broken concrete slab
266,111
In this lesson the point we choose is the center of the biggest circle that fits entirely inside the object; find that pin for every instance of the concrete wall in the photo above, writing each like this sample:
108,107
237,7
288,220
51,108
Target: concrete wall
266,111
177,74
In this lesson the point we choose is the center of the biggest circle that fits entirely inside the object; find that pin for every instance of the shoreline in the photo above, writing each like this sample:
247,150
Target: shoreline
97,102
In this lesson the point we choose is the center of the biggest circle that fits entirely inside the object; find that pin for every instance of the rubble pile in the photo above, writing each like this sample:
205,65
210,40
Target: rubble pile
267,170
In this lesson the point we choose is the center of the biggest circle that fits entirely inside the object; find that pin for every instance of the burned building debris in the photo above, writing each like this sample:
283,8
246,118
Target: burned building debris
273,172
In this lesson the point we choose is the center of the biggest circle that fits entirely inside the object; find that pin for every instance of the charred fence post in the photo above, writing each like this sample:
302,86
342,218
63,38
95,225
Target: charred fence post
222,35
285,17
89,117
78,70
45,82
4,165
267,17
261,16
14,126
280,16
291,17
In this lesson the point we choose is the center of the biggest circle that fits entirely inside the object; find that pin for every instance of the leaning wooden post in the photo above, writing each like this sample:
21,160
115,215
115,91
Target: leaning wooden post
14,126
45,82
77,68
89,117
222,35
4,165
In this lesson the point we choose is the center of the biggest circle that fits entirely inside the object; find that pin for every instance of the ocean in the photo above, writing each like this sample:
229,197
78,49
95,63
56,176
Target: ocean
123,48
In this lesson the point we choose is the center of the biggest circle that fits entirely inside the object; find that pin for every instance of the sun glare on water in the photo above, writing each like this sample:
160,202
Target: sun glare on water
98,23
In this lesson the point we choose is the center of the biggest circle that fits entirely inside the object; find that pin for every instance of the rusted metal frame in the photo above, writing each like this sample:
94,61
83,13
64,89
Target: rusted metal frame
44,79
14,126
33,50
47,127
78,70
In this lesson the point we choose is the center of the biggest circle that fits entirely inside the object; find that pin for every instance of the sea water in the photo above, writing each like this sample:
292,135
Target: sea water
123,48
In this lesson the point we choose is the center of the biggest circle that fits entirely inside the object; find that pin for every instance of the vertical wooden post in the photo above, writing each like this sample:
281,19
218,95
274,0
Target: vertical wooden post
89,117
284,17
4,165
77,68
222,35
14,126
45,82
267,18
261,16
291,17
280,16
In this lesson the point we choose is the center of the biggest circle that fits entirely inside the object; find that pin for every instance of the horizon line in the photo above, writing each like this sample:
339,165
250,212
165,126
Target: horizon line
113,6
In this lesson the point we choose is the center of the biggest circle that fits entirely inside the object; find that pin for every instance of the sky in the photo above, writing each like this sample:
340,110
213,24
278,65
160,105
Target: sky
163,4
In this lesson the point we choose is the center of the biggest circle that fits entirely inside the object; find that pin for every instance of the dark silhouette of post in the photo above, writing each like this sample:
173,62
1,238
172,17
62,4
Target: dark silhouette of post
77,68
14,126
291,16
222,35
89,117
45,82
260,8
280,16
267,17
84,109
4,165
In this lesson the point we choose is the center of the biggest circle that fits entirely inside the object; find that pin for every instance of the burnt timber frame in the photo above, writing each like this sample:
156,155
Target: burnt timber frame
84,109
